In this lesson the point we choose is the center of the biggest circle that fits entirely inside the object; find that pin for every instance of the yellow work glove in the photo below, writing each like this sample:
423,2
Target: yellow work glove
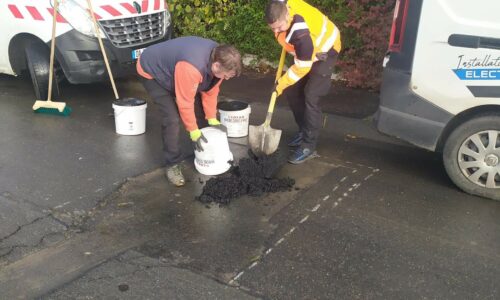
213,122
196,138
278,88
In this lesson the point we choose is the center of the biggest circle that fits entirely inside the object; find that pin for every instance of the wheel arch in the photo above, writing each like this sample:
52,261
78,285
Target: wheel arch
483,110
17,56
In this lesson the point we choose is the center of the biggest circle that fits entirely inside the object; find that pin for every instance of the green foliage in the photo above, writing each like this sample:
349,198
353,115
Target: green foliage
248,31
364,26
240,23
368,28
201,17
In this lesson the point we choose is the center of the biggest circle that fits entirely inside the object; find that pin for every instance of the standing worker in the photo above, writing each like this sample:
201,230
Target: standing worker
314,41
183,76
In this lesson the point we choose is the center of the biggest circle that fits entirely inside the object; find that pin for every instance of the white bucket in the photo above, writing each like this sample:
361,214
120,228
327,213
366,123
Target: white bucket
215,157
130,116
235,115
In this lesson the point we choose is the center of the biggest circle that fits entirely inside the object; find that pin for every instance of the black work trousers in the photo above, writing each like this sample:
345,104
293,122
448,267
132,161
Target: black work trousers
171,121
304,99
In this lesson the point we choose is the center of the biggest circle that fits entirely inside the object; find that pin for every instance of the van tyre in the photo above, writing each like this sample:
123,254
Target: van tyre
471,156
37,60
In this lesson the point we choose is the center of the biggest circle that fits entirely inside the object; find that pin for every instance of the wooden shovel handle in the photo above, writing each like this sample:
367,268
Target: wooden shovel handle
270,109
280,65
272,103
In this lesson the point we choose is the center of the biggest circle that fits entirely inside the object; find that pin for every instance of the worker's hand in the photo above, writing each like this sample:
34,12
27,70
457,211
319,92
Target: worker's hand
278,88
197,137
213,122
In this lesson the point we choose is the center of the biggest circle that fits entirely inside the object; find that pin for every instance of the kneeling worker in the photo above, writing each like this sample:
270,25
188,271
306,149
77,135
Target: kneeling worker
183,76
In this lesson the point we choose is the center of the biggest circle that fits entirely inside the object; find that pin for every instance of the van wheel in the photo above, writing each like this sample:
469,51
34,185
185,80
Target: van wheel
472,156
37,60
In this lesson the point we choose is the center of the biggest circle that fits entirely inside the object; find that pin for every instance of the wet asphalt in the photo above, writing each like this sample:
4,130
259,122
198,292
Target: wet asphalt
87,213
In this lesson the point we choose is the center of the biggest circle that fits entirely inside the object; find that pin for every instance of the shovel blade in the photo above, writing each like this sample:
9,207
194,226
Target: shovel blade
263,140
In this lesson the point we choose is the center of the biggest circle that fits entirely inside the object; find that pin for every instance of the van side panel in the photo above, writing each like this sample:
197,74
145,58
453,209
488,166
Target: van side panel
30,17
450,63
402,113
457,55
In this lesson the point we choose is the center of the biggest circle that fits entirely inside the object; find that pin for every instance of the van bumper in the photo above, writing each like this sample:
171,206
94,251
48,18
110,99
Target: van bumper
82,62
406,115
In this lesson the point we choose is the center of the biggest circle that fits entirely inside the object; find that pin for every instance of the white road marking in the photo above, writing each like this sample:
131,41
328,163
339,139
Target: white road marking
304,219
64,204
253,265
290,231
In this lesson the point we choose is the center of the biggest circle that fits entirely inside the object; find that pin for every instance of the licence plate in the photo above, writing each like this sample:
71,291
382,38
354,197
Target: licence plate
136,53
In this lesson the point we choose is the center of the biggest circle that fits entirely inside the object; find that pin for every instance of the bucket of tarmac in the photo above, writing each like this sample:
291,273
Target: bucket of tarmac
130,116
216,156
235,116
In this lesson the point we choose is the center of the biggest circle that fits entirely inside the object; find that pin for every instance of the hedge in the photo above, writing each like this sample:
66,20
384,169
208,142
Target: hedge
364,26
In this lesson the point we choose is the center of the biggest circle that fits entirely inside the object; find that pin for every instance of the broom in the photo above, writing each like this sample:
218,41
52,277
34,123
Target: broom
49,106
103,50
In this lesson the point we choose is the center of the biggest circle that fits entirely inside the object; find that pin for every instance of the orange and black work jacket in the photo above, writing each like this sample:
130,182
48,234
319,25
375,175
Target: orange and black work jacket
182,66
309,34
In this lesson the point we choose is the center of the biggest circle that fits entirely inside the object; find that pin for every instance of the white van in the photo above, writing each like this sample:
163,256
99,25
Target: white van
127,27
441,86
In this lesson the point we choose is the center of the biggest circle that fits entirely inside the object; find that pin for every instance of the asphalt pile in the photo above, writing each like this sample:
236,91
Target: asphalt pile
254,176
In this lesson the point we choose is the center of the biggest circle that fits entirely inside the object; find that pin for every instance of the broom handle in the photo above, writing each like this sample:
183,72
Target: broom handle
98,34
52,50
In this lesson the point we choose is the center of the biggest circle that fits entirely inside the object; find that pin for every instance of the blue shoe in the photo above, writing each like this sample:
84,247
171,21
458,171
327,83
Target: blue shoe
300,155
296,140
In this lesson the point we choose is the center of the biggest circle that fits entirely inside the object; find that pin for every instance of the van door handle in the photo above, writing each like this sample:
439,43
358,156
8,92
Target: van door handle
473,41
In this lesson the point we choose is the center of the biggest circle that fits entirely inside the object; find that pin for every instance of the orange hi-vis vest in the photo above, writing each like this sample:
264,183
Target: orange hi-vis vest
310,32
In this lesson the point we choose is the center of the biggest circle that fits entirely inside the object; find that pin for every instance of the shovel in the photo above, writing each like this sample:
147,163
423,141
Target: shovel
263,139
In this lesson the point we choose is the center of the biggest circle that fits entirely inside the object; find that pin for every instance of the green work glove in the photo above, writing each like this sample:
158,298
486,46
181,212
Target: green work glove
196,138
213,122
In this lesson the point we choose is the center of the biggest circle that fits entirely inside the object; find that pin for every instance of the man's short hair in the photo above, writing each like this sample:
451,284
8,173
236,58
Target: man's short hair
275,10
228,57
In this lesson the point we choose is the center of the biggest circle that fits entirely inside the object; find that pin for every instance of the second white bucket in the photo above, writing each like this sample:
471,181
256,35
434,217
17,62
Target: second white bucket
235,116
130,116
216,155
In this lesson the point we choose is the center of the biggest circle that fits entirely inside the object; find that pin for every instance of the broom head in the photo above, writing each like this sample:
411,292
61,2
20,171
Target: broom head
51,107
